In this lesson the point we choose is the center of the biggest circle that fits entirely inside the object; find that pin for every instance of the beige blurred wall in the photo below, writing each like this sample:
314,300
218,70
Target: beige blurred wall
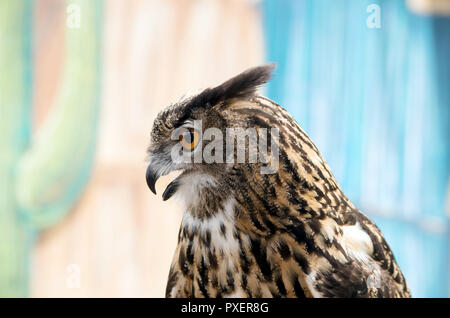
427,7
120,235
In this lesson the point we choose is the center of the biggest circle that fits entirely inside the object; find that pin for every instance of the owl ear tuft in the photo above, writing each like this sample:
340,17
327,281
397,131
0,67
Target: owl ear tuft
242,85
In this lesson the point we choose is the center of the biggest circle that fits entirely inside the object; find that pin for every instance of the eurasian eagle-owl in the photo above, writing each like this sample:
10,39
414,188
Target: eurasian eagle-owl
249,233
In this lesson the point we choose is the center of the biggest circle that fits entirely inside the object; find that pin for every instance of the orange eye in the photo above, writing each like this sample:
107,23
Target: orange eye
189,138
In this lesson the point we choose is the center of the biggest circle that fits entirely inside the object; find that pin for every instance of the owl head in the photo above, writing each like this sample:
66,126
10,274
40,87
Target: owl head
213,133
230,141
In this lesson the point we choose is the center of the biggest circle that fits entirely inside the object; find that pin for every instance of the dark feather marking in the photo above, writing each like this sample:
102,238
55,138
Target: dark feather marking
202,288
244,261
302,262
270,208
230,281
253,218
214,280
269,187
315,225
284,211
259,122
182,263
280,285
291,168
189,253
344,282
244,282
223,230
207,238
299,234
284,250
261,259
203,271
212,260
256,222
180,232
299,292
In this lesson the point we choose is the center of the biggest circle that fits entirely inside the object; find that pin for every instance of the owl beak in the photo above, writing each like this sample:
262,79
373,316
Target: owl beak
151,177
171,189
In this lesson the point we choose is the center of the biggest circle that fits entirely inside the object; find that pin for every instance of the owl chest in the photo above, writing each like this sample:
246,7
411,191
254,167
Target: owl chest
214,259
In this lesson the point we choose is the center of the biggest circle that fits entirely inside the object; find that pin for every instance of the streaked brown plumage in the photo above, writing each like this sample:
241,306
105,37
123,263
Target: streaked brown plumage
246,234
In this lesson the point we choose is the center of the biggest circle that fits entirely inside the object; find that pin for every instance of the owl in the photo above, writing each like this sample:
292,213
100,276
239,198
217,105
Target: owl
263,214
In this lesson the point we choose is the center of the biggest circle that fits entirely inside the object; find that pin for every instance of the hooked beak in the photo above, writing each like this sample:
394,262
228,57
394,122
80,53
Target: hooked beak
151,177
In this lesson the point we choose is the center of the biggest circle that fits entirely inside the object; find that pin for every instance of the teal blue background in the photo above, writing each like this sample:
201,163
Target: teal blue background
376,101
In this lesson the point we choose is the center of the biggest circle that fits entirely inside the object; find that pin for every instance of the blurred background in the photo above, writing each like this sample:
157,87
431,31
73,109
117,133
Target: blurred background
81,82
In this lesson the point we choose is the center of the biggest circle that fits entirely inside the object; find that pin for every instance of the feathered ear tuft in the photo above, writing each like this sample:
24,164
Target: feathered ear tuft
244,84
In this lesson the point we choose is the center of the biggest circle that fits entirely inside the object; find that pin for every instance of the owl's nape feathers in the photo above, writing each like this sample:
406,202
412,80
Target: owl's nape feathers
292,233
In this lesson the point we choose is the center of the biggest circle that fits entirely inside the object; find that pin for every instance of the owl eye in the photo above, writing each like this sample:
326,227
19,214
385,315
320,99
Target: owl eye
189,138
